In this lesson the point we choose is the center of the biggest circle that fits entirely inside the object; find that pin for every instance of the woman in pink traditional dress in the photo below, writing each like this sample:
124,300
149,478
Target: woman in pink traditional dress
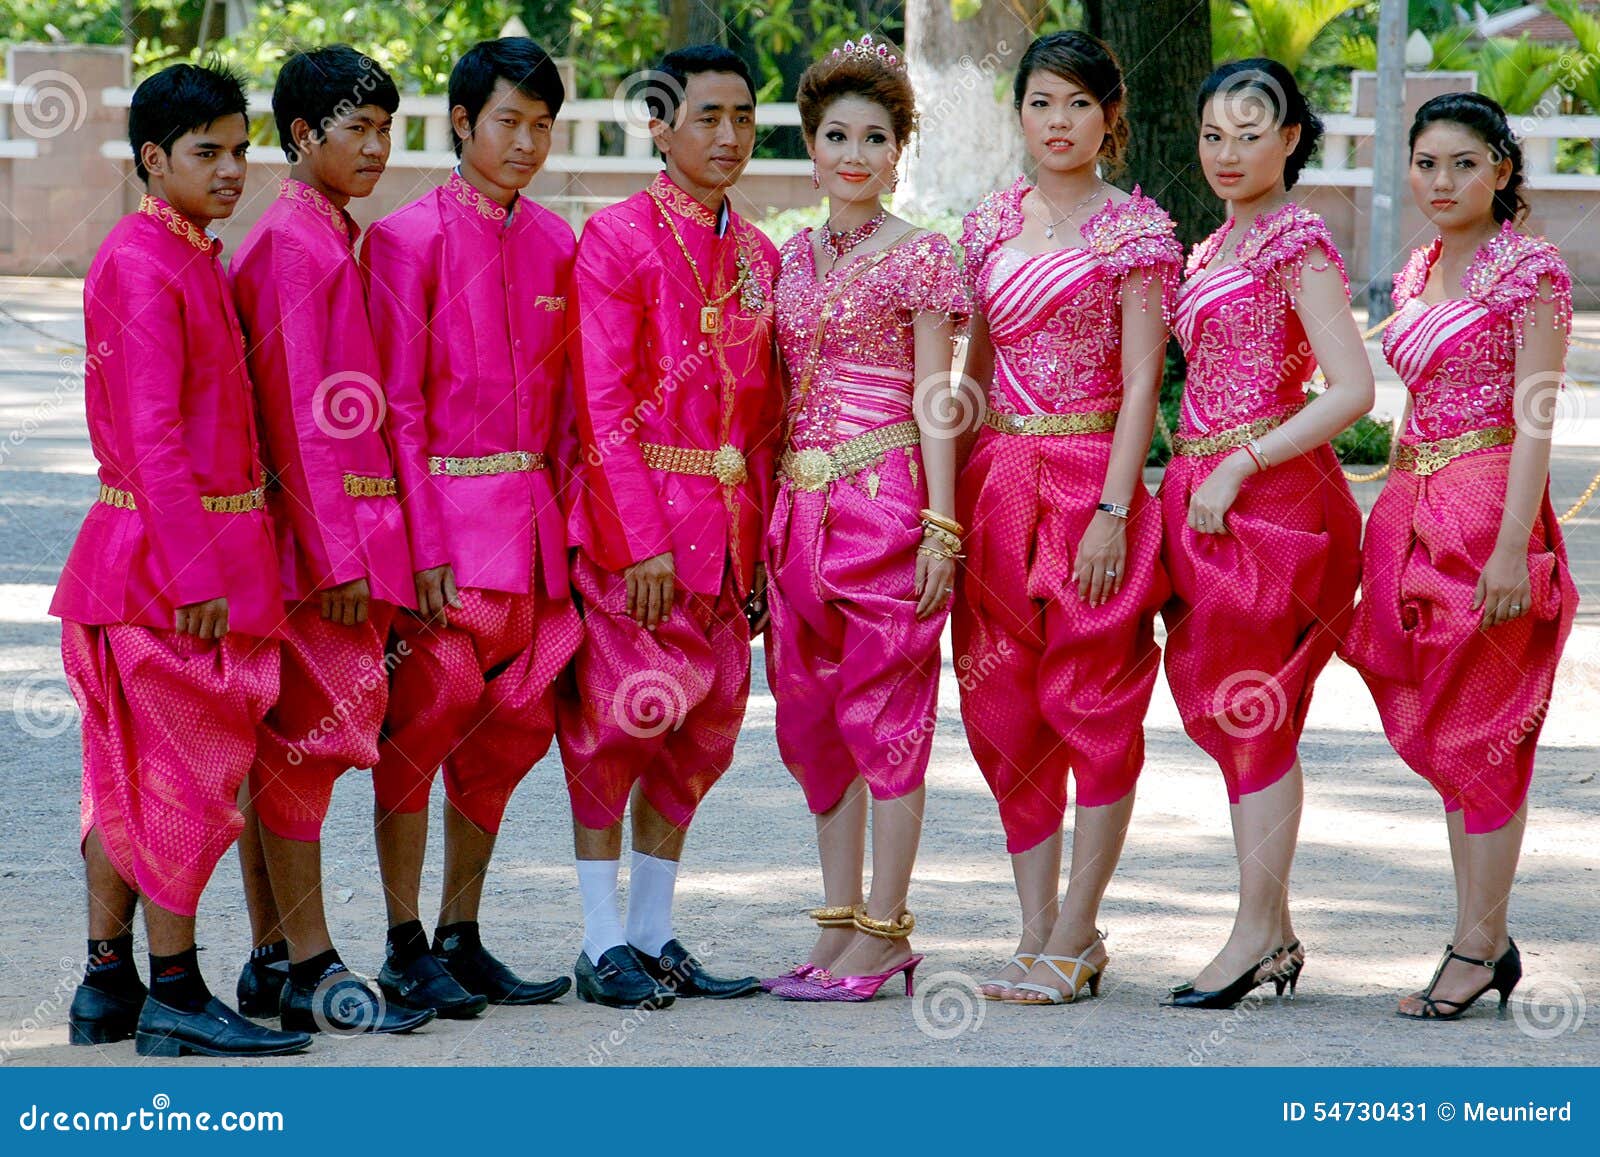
1262,535
863,545
1072,282
1466,599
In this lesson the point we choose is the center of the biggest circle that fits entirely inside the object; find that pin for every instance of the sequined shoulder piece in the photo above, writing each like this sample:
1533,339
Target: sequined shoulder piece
1136,234
794,249
926,276
997,217
1279,240
1204,251
1505,275
1413,277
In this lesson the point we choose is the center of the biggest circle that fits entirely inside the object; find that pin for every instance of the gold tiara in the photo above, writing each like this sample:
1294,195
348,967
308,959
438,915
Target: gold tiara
871,50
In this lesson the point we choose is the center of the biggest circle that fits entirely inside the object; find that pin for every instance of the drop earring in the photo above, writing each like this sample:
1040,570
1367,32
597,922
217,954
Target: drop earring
816,182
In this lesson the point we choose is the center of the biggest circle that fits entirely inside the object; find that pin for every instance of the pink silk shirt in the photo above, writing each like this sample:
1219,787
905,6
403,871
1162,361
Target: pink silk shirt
644,372
316,371
171,419
468,306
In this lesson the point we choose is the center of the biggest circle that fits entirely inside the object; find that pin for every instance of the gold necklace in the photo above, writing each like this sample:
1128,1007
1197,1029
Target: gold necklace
710,311
1050,226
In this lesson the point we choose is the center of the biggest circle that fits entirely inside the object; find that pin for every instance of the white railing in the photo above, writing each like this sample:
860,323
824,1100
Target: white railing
12,95
584,119
1539,136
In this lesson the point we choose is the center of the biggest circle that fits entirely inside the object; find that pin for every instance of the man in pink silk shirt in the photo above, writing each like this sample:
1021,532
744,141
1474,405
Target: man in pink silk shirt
678,403
467,289
343,558
169,599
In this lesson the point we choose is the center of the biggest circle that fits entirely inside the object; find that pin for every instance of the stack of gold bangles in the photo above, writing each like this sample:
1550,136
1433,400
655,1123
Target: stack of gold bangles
941,536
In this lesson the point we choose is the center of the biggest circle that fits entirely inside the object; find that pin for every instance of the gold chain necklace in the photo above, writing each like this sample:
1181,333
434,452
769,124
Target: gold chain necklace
710,311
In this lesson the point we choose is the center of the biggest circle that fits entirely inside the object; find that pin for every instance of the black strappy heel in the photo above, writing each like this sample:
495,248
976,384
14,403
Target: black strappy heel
1506,972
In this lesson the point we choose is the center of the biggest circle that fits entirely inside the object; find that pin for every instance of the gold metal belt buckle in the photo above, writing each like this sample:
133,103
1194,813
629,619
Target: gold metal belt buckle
810,469
727,465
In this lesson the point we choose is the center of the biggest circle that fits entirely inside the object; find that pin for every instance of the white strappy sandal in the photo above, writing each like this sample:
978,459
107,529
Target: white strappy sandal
1083,973
1023,960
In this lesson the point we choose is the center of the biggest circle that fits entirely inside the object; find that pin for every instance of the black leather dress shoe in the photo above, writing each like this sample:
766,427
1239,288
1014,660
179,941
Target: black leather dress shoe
425,984
345,1004
260,986
619,981
100,1018
214,1031
676,968
475,970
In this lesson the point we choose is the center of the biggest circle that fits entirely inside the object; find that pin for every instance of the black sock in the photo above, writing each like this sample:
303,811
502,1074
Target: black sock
176,982
309,973
465,934
110,968
406,942
269,954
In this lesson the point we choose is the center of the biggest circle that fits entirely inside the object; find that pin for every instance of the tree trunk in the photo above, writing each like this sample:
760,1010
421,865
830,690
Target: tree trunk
692,22
968,143
1165,49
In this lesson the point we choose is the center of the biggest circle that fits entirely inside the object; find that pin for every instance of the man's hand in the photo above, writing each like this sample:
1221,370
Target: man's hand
347,602
650,590
207,620
436,590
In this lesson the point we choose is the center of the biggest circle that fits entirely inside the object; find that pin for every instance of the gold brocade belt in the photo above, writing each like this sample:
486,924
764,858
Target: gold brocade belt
816,469
1425,458
1230,439
364,486
1051,425
508,462
216,503
725,464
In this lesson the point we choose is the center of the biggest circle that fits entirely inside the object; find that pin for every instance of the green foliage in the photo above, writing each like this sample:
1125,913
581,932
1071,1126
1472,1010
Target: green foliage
1454,50
1357,51
614,40
1286,29
1232,34
1579,72
86,22
418,47
1364,444
1517,73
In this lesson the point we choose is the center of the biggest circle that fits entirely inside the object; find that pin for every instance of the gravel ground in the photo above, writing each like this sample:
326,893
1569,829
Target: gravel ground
1372,884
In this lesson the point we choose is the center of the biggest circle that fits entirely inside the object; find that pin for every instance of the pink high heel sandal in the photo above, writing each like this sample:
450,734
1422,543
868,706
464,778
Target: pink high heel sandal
821,986
843,916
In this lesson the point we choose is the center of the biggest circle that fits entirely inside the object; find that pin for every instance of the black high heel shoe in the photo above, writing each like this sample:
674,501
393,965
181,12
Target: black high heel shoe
1188,996
1290,975
1504,975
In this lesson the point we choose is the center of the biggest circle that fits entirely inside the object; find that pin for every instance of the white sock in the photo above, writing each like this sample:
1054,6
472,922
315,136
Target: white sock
650,887
602,921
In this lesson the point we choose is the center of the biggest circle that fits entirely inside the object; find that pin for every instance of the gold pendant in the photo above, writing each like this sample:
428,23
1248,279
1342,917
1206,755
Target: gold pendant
872,485
911,464
710,319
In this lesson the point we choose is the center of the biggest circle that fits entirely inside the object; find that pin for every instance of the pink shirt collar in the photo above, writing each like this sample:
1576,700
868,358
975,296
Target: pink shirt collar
300,193
179,225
